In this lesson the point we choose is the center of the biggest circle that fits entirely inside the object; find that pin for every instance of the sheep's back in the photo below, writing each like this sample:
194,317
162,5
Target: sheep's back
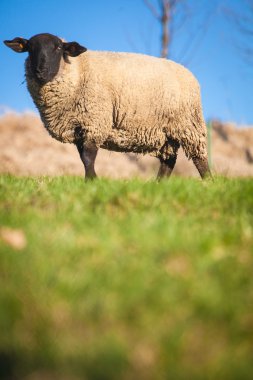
141,84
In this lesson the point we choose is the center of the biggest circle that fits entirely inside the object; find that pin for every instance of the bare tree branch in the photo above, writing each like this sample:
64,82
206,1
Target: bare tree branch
163,12
153,9
243,22
165,28
192,44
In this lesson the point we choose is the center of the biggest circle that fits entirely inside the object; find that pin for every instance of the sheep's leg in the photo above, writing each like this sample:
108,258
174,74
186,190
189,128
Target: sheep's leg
88,155
166,166
201,164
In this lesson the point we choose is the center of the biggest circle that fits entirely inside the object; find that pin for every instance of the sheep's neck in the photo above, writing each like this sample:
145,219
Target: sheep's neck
55,102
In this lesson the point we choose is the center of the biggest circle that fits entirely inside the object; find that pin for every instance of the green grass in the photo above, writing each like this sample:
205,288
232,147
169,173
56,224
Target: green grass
126,279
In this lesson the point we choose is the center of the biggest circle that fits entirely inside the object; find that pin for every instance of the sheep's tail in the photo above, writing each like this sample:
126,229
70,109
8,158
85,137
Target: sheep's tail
193,135
194,143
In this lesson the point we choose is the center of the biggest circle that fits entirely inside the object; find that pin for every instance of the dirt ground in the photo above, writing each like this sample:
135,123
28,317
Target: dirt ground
27,149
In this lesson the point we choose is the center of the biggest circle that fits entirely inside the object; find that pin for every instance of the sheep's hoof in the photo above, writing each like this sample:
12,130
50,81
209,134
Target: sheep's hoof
90,177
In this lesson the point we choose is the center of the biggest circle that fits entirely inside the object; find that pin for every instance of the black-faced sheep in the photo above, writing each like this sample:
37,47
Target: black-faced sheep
116,101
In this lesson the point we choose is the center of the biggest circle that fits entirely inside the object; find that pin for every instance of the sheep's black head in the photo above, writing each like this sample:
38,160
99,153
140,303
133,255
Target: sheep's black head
45,53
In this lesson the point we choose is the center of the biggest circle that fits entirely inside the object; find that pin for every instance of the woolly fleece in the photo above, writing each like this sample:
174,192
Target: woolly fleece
123,102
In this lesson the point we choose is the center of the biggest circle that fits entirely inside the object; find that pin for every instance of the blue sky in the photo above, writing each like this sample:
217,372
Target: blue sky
207,43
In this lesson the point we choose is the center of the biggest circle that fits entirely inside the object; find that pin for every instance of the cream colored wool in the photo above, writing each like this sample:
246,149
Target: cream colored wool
124,102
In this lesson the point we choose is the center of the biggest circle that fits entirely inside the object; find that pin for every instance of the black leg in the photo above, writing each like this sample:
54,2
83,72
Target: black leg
166,167
202,166
88,155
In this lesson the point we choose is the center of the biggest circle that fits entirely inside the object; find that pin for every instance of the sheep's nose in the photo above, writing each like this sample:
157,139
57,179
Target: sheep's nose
40,72
41,75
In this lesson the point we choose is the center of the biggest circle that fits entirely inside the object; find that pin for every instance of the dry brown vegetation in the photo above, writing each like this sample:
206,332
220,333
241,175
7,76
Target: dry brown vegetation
27,149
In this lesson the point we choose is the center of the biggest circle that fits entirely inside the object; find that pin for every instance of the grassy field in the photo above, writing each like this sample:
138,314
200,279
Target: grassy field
126,279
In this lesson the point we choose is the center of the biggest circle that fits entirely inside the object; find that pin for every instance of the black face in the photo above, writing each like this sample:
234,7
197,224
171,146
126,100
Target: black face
45,53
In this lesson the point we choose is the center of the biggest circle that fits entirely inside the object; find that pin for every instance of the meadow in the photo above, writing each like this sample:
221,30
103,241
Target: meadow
126,280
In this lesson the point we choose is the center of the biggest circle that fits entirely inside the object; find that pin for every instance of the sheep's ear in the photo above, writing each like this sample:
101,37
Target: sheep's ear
18,44
73,49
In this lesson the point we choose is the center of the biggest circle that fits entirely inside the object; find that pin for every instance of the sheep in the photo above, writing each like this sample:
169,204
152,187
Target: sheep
123,102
